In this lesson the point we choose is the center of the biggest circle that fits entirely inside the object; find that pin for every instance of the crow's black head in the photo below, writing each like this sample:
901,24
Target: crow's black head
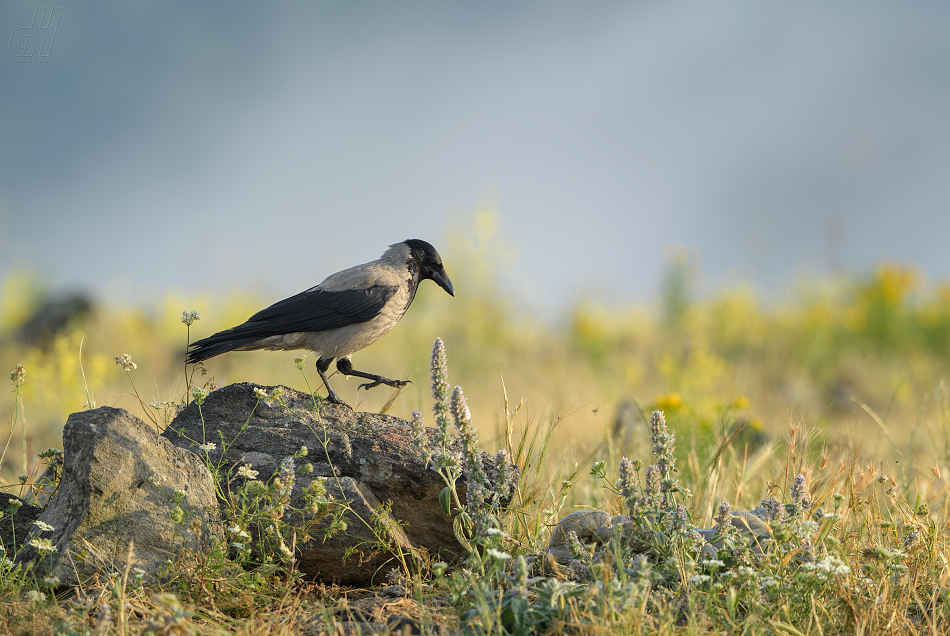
429,264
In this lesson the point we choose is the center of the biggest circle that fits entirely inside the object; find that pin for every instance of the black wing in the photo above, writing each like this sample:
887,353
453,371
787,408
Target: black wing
314,310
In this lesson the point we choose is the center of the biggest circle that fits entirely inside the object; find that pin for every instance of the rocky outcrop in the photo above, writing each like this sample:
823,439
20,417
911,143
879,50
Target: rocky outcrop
368,459
124,484
119,487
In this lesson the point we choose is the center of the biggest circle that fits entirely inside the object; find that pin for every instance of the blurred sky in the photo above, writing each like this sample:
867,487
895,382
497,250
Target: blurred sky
204,146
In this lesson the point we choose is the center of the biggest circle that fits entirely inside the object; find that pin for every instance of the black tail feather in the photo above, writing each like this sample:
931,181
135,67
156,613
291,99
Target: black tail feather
215,345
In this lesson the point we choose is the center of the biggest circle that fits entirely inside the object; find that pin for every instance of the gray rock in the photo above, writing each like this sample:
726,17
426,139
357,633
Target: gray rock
591,526
118,486
328,560
750,526
16,520
55,316
373,451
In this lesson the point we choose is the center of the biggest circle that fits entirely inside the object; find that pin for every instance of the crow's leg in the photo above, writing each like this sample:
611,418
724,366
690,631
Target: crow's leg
322,365
345,367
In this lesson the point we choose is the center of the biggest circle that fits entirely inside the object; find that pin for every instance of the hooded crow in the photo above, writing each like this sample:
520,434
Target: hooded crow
348,311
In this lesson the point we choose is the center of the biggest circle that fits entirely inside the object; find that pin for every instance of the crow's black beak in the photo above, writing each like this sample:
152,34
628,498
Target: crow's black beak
442,280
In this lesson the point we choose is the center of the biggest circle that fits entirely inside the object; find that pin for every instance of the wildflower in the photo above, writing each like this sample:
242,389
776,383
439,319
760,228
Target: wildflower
663,443
125,361
627,482
43,526
181,494
269,398
239,532
210,446
800,493
285,551
774,511
19,372
237,546
51,581
188,317
283,485
477,487
177,515
302,452
139,573
418,427
255,487
246,472
22,477
498,554
724,515
34,596
198,394
578,550
14,504
440,392
680,519
299,361
807,551
769,581
699,579
912,537
652,497
712,564
828,567
160,405
505,477
43,546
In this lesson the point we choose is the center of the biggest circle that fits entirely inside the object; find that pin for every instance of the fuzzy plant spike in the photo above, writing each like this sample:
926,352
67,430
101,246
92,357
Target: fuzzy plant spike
440,392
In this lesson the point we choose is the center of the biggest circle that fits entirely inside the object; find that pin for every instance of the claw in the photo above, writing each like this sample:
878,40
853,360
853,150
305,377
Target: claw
333,398
396,384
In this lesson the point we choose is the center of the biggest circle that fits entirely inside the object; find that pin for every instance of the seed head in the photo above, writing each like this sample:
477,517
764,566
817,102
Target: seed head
18,374
125,361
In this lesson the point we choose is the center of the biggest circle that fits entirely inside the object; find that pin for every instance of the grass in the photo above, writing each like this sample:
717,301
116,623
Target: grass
830,399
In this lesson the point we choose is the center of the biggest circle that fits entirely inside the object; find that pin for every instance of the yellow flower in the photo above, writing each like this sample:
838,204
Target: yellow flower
671,402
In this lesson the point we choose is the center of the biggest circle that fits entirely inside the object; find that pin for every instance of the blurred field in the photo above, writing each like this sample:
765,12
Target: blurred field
729,362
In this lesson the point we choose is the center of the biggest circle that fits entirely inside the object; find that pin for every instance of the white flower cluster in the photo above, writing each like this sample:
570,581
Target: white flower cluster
125,361
188,317
826,568
246,472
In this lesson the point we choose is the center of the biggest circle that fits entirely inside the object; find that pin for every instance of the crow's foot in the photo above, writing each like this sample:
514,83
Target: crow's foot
396,384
